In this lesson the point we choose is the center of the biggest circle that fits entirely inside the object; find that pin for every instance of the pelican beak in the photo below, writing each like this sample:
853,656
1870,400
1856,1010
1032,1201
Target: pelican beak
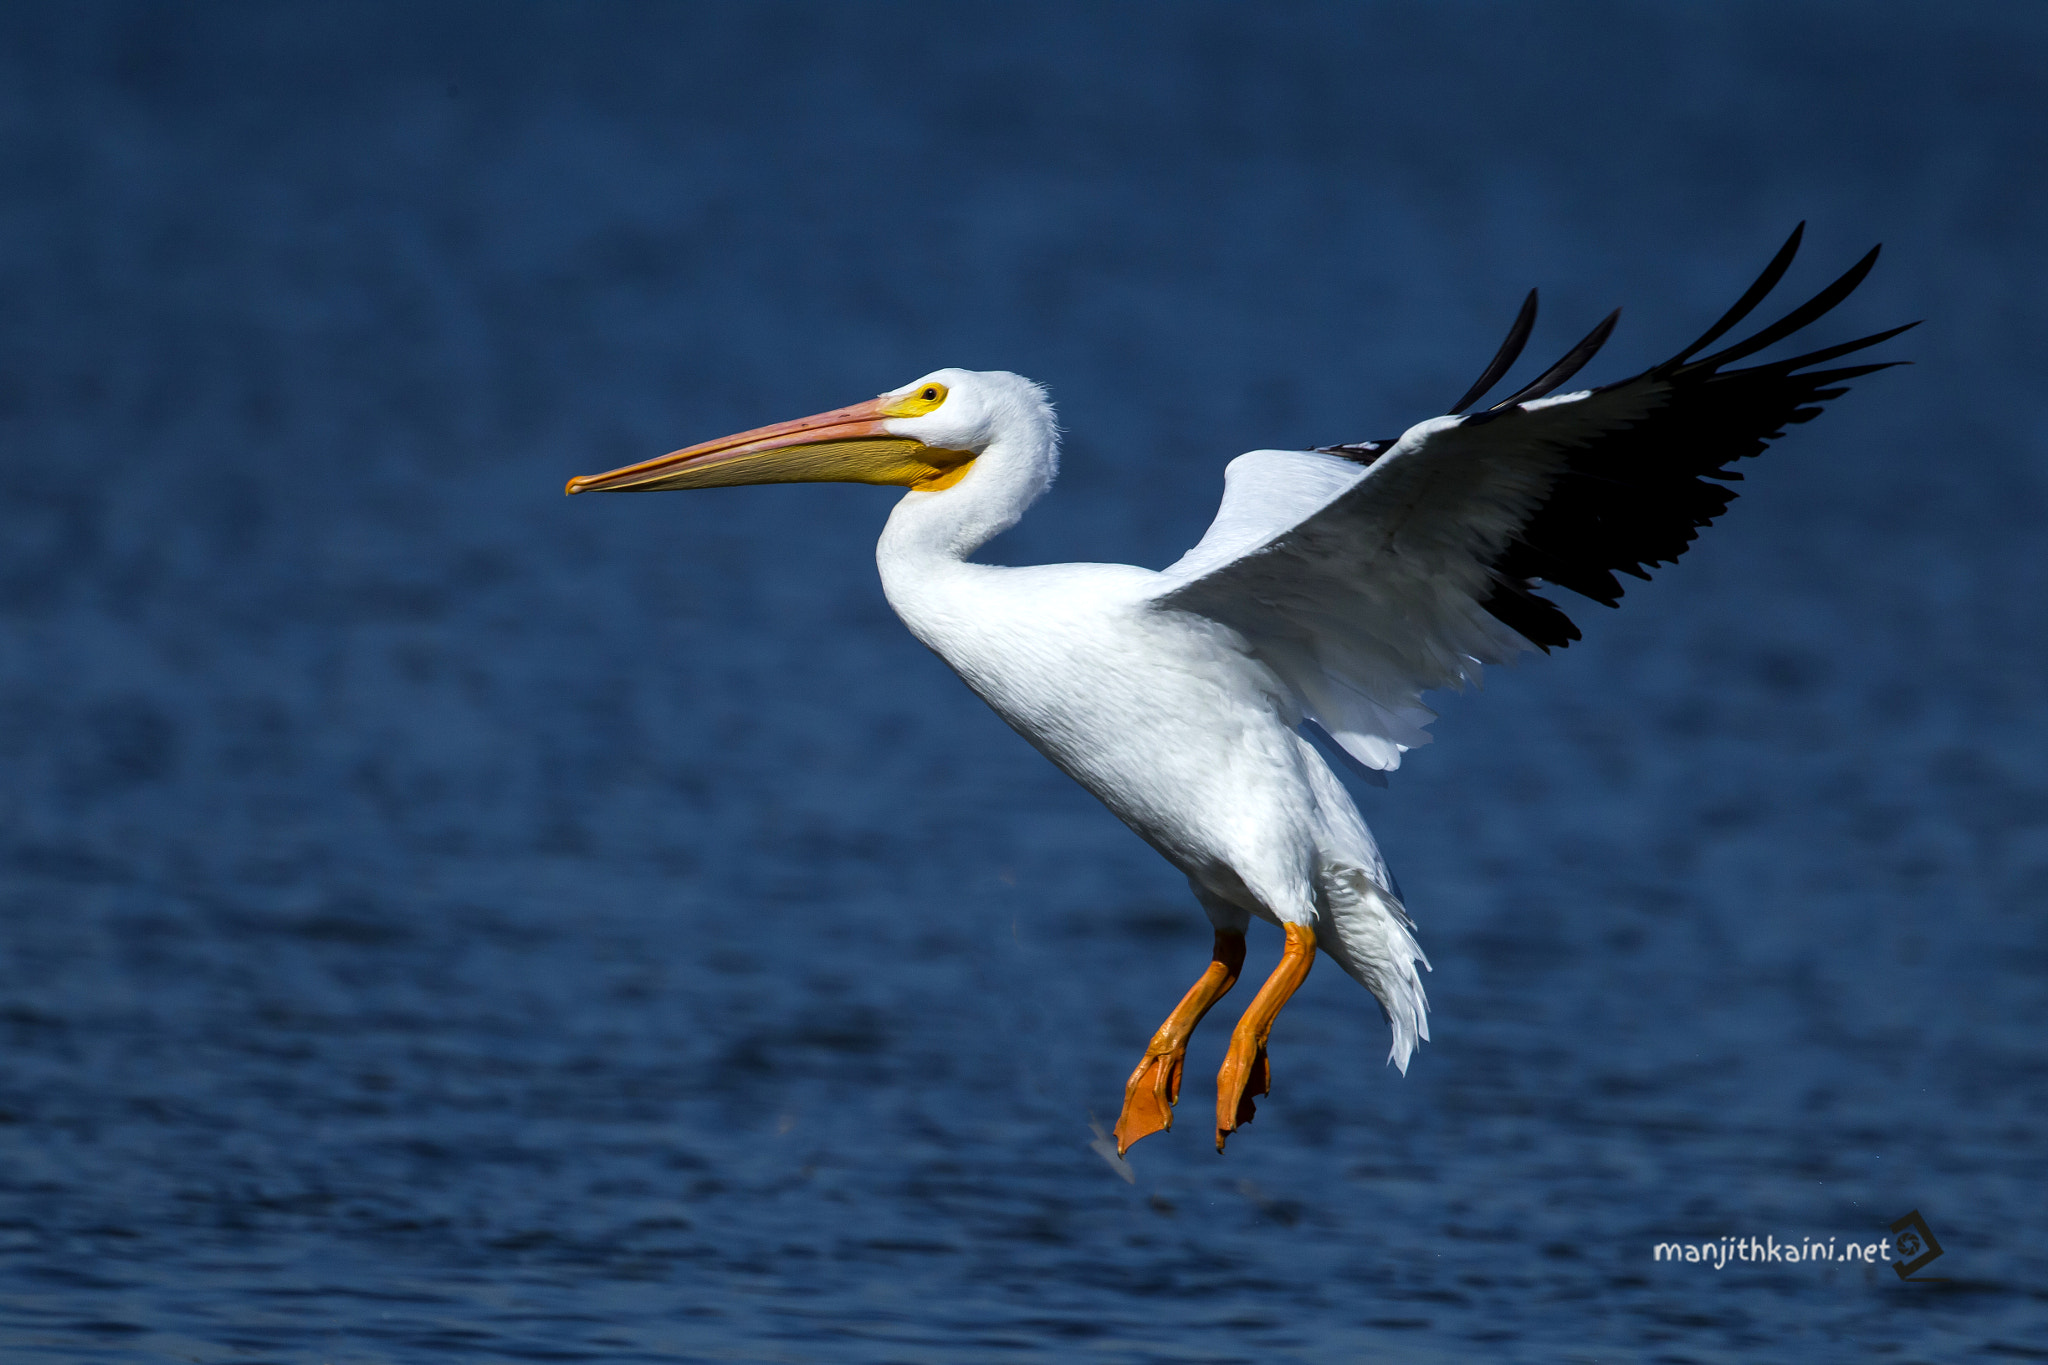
846,445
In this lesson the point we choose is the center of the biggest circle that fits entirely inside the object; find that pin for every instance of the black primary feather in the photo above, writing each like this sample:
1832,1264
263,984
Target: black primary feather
1574,360
1751,297
1804,315
1503,359
1635,497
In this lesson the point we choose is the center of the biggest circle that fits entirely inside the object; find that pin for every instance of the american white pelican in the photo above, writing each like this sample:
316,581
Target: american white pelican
1335,586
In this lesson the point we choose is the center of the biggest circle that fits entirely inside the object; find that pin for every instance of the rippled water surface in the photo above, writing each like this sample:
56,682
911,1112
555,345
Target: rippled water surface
446,922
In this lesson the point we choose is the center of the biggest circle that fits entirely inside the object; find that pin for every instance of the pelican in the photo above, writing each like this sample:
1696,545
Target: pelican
1335,586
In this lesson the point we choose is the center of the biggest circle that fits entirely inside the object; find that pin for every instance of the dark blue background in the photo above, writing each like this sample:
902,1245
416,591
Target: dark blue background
446,921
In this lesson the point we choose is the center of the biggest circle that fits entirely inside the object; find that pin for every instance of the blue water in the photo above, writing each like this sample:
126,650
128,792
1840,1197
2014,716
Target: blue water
443,921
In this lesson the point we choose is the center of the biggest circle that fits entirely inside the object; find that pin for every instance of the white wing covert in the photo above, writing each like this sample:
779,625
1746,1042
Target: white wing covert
1367,574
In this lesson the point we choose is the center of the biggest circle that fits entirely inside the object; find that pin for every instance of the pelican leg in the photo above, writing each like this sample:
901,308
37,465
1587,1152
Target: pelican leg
1150,1094
1245,1072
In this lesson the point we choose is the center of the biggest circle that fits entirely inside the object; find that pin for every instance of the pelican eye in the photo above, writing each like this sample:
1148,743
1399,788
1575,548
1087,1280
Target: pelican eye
926,399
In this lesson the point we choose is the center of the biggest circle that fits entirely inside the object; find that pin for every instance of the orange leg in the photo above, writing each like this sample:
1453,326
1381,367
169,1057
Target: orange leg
1155,1085
1245,1072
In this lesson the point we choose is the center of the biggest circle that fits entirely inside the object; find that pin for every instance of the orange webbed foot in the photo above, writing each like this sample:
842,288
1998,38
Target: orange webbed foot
1246,1073
1149,1098
1150,1093
1237,1085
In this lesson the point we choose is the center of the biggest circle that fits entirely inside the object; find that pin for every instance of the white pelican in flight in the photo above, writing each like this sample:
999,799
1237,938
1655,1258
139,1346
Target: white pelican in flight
1334,588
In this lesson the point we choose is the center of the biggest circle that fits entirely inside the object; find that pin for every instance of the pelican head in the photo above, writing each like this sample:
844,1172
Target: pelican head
924,436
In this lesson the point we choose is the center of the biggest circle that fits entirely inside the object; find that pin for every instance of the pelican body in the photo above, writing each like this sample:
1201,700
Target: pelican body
1334,587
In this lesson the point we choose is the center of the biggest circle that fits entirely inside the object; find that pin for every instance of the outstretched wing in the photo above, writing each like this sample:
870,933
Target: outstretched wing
1367,574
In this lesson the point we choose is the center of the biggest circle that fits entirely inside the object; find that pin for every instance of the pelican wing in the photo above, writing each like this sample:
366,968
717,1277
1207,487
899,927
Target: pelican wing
1368,574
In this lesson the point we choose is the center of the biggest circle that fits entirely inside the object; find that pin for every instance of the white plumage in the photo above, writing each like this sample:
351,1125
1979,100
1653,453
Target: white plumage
1184,726
1333,589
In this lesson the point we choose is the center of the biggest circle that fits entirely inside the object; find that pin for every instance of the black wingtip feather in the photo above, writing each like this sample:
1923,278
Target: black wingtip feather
1574,360
1637,495
1625,503
1503,359
1844,348
1804,315
1751,297
1844,372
